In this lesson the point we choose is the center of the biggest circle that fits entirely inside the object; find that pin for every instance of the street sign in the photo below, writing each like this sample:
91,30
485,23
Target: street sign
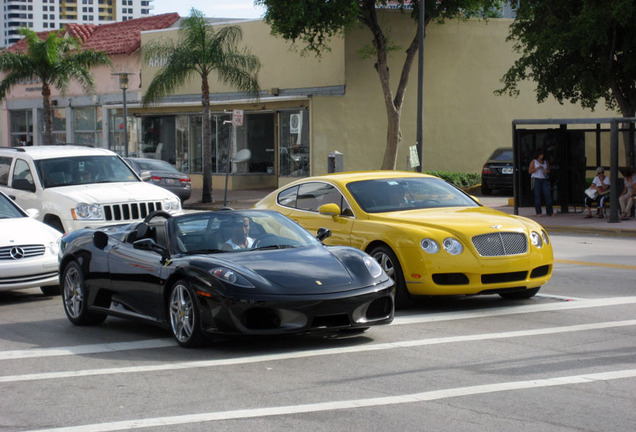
237,118
414,159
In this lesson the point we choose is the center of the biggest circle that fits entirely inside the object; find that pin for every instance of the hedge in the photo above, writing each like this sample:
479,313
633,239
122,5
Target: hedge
461,180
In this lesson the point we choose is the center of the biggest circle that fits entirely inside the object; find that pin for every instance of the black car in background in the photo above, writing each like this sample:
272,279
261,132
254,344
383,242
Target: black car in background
498,171
162,173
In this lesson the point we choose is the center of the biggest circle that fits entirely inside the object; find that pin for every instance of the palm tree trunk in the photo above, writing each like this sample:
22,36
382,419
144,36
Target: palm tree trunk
206,196
48,114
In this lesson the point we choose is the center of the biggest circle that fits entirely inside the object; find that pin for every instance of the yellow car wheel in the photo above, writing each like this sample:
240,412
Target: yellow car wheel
390,264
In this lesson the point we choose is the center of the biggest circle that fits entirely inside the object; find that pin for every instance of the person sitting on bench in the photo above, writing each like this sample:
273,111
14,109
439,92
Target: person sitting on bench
598,191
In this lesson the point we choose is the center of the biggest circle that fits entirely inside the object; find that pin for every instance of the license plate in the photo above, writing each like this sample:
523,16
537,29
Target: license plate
171,181
506,170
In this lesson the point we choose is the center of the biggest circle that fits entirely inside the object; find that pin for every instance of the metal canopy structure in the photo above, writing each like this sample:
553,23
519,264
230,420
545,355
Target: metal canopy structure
600,127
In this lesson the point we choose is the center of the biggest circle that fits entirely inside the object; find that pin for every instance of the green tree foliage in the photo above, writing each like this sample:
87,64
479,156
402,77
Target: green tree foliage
314,22
200,51
581,51
55,61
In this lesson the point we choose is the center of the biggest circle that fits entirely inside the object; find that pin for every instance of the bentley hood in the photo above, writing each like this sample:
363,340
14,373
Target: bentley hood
459,220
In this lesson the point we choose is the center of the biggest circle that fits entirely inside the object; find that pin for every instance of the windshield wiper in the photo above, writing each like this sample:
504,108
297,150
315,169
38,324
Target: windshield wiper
204,251
275,246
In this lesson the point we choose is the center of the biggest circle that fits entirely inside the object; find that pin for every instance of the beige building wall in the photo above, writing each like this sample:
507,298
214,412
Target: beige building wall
463,119
282,65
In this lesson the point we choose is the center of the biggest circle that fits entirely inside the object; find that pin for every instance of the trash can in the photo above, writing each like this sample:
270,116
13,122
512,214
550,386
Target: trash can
335,162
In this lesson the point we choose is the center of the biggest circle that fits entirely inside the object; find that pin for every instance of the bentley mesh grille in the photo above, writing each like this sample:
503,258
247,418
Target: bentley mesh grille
500,244
130,211
20,252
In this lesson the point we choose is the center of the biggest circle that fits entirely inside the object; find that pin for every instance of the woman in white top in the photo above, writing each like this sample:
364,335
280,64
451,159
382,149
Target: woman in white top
600,184
539,171
628,195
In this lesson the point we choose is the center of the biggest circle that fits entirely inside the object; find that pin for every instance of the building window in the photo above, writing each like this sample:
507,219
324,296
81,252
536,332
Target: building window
88,126
293,151
21,127
59,125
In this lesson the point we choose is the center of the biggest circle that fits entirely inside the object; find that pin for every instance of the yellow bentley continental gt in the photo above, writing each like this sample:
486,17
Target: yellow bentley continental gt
429,236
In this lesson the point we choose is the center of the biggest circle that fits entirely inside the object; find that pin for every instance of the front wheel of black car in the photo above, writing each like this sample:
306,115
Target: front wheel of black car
74,297
184,316
390,264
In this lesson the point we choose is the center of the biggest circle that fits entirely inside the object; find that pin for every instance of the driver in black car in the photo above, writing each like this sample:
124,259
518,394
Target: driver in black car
240,238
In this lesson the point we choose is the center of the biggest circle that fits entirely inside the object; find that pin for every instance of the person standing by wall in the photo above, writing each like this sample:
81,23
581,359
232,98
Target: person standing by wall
539,170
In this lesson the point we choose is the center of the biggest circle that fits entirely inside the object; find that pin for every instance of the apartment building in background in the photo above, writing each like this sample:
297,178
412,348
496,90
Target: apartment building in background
45,15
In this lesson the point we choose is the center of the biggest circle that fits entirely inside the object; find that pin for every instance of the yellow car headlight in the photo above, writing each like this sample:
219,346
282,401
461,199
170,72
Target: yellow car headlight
429,245
536,239
453,246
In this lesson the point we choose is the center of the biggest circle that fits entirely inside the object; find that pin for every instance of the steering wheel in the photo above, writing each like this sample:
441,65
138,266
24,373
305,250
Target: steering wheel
157,213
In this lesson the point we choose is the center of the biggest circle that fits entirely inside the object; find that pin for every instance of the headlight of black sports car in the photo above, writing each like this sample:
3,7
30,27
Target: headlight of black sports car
227,275
374,268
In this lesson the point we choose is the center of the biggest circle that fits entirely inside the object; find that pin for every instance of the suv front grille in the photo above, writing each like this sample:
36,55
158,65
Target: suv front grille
500,244
130,211
20,252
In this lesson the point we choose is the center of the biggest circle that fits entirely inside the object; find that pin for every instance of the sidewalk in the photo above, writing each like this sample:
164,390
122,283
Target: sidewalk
571,222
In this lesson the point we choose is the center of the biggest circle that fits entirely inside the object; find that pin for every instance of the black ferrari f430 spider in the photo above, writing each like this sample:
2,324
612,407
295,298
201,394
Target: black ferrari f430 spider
227,272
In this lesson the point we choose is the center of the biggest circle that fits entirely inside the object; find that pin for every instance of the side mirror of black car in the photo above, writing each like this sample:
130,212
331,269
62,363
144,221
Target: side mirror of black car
23,184
100,239
323,234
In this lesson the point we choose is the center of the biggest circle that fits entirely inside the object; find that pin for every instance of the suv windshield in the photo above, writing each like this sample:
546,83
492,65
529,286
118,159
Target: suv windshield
83,170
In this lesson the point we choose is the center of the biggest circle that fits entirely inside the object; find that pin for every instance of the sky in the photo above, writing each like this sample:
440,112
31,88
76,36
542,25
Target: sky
210,8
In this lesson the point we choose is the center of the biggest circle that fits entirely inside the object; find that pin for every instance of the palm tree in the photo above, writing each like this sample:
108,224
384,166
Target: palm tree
55,60
201,50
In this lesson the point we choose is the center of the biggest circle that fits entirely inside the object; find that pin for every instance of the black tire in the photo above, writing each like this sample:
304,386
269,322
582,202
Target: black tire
51,290
74,297
520,295
485,190
185,321
390,264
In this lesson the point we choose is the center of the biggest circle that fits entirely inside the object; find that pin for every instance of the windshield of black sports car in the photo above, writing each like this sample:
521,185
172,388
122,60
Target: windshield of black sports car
77,170
407,193
238,231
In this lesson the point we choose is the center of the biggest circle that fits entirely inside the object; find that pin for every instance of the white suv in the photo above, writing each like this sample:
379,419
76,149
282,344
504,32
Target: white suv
76,187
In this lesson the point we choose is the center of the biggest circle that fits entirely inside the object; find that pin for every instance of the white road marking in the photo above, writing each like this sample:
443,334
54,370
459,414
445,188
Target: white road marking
86,349
348,404
565,303
517,309
315,352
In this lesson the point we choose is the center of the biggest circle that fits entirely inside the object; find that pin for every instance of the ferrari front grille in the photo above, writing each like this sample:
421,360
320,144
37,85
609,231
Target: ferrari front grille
501,244
21,252
130,211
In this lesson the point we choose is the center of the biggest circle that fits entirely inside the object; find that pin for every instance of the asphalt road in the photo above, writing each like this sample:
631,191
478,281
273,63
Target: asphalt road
562,361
